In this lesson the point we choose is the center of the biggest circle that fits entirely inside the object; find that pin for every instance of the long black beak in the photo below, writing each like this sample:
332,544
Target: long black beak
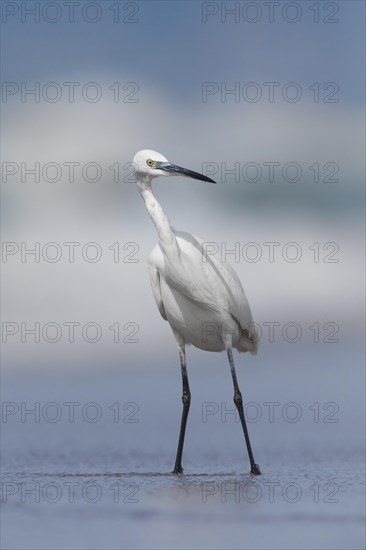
176,170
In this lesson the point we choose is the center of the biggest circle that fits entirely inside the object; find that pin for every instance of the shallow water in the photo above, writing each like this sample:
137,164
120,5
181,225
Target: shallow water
318,508
107,483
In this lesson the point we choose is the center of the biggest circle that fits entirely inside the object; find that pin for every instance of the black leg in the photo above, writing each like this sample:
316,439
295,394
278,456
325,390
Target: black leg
186,398
238,400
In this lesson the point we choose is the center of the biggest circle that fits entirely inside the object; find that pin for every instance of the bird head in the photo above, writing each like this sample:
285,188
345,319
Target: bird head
152,164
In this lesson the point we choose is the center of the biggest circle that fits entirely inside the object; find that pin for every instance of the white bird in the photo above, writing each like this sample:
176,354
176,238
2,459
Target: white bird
201,298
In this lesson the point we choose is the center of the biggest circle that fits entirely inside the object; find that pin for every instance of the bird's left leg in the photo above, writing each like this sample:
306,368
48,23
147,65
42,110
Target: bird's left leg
186,398
238,400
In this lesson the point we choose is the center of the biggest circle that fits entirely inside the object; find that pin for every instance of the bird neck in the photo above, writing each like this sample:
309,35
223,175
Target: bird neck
165,232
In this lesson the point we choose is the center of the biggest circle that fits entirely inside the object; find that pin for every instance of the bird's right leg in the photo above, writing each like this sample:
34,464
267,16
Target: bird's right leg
186,398
238,400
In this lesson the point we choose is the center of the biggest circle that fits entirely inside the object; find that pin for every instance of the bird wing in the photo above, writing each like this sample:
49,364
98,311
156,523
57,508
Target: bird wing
153,262
201,278
216,278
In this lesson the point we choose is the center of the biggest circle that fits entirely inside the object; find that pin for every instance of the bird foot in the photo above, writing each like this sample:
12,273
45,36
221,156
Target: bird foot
178,471
255,471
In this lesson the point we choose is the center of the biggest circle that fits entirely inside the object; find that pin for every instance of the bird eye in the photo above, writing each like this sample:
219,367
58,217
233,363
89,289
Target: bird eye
150,163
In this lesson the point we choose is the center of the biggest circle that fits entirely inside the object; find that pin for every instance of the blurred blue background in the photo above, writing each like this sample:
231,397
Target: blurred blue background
159,55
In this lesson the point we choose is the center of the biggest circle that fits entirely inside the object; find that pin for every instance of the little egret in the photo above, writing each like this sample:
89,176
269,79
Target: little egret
201,298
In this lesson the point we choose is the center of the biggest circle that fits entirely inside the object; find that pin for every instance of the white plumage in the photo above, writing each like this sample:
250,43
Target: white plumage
201,298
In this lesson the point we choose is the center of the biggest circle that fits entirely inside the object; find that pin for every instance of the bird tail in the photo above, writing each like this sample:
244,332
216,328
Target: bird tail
249,340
